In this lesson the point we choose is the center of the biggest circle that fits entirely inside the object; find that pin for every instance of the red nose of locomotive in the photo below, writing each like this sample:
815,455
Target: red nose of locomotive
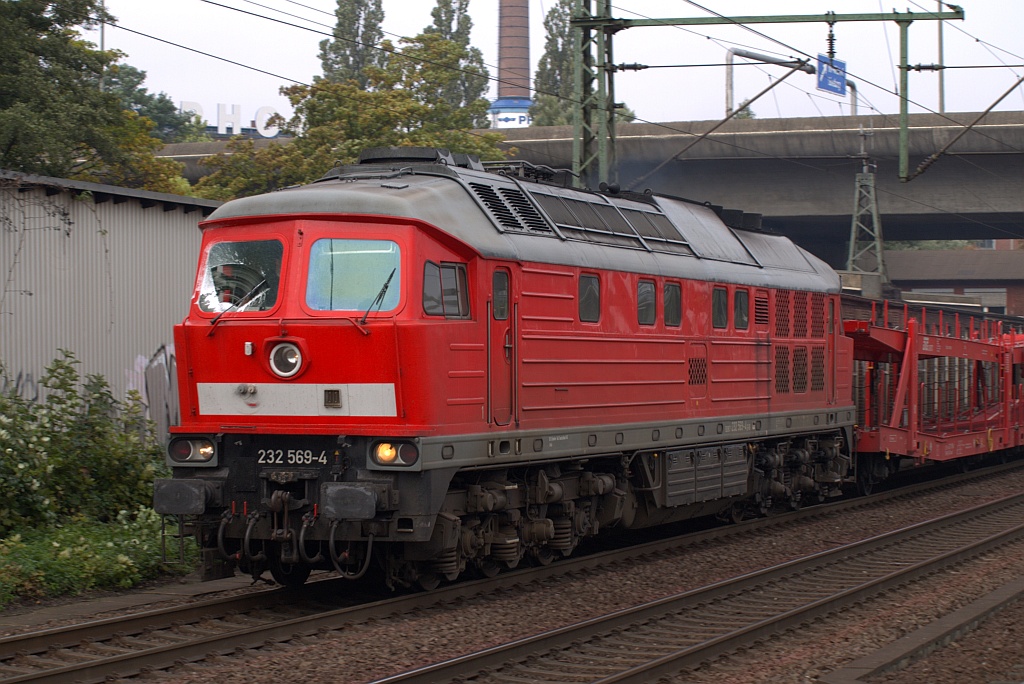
280,329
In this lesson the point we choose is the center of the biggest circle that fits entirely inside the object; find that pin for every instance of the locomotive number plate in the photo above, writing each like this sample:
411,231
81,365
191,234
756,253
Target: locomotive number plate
290,457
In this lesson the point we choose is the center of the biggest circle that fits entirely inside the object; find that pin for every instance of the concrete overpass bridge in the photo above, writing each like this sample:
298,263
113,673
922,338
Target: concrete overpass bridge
799,173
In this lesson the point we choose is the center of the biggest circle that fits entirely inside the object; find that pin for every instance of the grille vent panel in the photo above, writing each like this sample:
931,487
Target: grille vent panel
698,369
817,315
782,370
761,310
800,370
800,315
782,313
817,369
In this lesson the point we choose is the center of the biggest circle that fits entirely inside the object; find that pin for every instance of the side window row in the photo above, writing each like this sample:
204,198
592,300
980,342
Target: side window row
647,304
720,309
646,298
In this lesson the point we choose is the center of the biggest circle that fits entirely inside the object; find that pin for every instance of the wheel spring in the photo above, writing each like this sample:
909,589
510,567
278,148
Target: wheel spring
447,563
562,540
506,547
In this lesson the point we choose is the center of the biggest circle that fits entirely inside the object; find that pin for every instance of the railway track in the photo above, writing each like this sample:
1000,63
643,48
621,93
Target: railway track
158,639
663,637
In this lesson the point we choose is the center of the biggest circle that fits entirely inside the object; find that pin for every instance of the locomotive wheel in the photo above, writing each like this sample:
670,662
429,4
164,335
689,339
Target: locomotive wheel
289,574
865,485
488,567
543,555
428,581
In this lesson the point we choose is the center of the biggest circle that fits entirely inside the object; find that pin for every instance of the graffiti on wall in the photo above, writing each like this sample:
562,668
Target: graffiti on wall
24,385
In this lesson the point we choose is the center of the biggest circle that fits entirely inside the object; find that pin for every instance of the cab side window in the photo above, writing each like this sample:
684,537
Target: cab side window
445,290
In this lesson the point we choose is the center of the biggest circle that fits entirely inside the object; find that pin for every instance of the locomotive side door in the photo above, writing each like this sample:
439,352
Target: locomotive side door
501,349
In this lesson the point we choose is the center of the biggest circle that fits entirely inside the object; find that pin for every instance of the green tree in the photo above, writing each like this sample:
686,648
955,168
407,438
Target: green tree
50,109
133,163
125,81
553,81
354,49
54,119
194,130
452,22
334,122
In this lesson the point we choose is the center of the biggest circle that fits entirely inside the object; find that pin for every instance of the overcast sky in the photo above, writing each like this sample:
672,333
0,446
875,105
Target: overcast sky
990,35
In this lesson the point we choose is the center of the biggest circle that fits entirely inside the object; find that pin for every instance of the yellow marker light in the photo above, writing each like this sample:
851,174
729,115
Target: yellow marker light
386,453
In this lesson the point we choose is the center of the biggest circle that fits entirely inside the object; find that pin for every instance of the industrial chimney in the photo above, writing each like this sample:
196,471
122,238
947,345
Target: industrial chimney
511,109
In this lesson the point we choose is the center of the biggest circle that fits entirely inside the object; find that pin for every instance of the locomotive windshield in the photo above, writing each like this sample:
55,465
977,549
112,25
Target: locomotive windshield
348,275
242,276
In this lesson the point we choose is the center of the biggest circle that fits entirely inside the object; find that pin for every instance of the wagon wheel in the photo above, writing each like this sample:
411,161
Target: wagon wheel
865,483
737,513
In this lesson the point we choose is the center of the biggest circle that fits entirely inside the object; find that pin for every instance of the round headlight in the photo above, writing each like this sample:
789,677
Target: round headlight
286,359
191,450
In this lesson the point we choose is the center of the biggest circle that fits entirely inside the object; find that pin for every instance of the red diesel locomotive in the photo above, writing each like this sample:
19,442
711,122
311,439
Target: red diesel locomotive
416,366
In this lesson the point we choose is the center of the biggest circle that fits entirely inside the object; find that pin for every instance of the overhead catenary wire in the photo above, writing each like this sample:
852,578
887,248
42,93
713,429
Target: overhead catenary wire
711,130
935,157
674,129
244,66
498,80
860,77
317,23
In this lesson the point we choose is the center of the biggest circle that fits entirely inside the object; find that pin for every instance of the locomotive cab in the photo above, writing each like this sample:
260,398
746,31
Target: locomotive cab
300,361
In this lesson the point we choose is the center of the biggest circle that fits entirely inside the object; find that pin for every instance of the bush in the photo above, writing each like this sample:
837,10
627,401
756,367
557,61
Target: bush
82,555
71,469
79,453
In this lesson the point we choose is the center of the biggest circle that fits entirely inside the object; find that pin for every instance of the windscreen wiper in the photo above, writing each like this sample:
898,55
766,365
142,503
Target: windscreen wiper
380,296
240,303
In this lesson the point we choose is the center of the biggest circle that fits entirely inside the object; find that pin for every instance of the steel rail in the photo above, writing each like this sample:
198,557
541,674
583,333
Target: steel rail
55,639
539,647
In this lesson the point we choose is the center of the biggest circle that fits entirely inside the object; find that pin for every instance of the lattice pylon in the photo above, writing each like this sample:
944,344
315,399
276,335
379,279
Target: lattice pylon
865,253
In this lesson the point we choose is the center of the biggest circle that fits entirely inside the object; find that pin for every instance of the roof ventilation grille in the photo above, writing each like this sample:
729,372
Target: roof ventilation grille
524,209
501,212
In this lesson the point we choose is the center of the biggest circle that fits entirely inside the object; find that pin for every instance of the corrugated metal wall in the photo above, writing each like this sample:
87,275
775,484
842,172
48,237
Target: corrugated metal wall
106,280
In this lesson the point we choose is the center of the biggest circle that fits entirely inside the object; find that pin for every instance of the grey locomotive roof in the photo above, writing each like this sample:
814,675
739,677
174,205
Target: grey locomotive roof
503,217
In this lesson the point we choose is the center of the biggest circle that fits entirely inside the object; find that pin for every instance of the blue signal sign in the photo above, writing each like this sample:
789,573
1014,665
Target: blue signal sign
831,75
